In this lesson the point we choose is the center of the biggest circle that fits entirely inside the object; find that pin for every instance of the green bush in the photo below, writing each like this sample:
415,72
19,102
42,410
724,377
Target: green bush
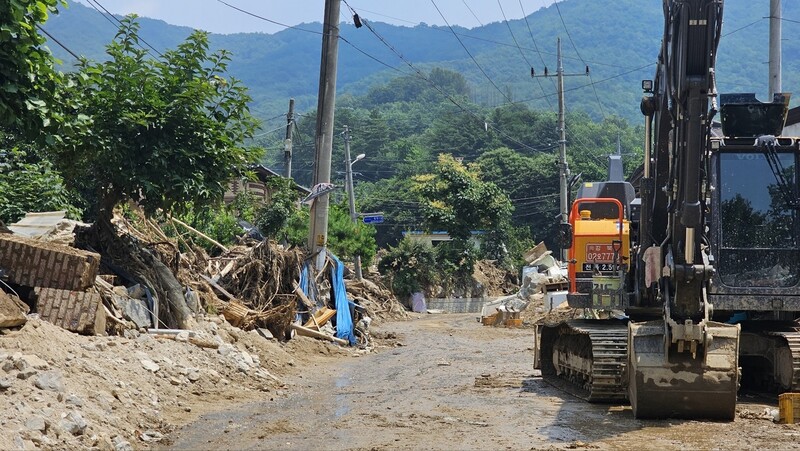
411,267
28,183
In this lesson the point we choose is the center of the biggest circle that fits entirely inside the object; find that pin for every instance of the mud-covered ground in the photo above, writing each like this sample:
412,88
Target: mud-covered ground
446,382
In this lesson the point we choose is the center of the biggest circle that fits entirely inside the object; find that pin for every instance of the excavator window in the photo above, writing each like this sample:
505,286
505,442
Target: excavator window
758,227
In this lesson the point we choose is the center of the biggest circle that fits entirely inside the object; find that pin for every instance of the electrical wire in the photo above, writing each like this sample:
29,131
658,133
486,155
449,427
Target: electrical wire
471,11
538,80
268,20
120,23
58,42
594,88
469,53
450,98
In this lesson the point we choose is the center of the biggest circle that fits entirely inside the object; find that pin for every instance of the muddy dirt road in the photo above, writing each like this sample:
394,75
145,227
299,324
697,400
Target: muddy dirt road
454,384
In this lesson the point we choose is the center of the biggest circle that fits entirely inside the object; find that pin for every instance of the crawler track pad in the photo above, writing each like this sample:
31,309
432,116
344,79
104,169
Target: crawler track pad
681,386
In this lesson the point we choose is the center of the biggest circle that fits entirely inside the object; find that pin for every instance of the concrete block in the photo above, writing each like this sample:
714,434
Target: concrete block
35,263
80,312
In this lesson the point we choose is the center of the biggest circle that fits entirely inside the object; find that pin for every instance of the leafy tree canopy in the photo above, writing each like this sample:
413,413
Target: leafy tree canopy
27,78
161,132
456,200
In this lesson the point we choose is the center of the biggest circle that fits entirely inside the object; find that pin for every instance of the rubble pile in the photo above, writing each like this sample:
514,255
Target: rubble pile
87,361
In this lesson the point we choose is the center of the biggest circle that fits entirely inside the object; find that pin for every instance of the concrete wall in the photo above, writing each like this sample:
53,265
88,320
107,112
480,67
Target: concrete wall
457,305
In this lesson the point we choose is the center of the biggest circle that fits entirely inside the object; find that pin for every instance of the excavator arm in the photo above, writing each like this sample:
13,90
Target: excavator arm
683,365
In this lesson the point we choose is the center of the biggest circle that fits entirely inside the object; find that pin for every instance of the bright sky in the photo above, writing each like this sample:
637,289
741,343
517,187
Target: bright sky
216,17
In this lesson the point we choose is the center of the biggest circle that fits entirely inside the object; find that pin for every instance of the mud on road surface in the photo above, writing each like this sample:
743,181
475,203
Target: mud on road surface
446,382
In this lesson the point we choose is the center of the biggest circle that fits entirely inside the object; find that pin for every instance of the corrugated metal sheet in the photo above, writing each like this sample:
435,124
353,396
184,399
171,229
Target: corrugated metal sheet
34,225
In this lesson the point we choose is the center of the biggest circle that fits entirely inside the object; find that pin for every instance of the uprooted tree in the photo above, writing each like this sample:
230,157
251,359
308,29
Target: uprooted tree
161,132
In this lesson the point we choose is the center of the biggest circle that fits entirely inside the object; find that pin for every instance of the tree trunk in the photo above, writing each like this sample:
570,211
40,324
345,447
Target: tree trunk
143,266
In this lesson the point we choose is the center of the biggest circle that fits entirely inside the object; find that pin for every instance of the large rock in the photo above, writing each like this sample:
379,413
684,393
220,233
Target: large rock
73,423
12,311
50,380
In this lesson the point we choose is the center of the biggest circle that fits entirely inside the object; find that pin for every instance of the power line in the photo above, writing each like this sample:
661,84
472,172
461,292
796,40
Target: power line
434,85
471,11
120,22
538,80
58,42
469,53
268,20
512,34
600,104
743,27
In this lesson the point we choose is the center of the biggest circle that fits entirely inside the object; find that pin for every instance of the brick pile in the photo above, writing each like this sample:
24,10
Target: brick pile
60,277
76,311
33,263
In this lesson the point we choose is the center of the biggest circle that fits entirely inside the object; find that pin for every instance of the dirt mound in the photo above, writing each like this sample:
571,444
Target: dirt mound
493,280
536,313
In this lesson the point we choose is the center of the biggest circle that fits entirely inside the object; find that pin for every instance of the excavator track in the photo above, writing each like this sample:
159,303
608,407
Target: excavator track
586,358
789,362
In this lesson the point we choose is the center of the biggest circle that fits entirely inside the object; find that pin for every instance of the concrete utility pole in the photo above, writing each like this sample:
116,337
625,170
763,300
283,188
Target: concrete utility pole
287,144
318,234
350,194
774,48
562,140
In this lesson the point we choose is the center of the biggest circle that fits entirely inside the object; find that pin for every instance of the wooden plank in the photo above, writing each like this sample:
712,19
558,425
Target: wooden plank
320,318
305,331
218,287
299,292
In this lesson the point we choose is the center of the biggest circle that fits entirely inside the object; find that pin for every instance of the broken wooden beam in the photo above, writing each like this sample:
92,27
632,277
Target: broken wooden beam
305,331
320,318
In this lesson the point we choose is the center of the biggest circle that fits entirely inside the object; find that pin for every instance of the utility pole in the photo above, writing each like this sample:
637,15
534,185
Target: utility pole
774,48
562,140
350,194
287,144
323,140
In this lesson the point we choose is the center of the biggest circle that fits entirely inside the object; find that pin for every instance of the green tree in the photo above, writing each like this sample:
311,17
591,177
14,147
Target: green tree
410,267
460,134
27,79
457,201
162,133
273,217
347,239
165,134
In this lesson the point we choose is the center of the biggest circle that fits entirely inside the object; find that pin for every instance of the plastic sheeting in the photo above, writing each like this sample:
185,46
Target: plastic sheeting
344,320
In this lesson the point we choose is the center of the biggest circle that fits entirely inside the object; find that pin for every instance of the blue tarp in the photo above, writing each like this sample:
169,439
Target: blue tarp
344,321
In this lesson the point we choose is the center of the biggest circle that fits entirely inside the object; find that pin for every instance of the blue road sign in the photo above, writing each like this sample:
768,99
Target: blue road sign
373,219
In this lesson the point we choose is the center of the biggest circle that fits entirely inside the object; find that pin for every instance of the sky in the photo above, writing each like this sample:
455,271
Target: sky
214,16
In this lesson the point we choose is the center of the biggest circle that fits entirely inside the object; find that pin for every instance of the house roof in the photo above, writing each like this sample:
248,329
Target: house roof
264,172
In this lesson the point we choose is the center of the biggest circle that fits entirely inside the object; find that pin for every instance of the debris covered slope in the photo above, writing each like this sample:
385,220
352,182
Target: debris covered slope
90,359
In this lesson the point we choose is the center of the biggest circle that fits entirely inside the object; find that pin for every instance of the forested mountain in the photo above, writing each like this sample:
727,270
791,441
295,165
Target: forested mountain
618,39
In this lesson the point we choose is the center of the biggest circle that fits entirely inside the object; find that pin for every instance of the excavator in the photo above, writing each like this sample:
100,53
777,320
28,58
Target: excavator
689,280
